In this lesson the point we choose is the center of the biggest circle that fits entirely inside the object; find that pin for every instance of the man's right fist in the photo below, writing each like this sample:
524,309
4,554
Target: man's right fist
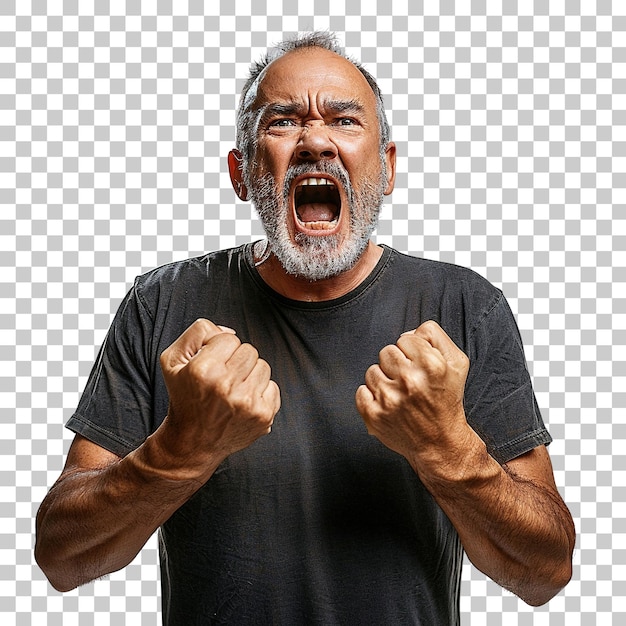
221,396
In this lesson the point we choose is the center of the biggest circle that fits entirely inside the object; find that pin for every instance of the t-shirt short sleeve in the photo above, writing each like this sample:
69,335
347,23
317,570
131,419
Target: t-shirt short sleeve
116,408
500,403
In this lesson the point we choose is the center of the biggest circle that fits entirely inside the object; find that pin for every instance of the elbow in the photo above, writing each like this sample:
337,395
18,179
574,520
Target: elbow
51,561
556,572
68,569
49,565
539,597
551,584
60,584
47,556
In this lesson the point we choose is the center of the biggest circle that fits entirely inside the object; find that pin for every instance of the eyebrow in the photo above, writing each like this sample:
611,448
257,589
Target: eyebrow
287,109
277,109
344,106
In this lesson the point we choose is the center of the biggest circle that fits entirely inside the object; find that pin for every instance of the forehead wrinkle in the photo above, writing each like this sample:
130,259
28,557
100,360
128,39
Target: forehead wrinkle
297,108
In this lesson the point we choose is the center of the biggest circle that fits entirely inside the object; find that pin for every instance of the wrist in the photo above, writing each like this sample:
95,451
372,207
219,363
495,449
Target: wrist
461,462
158,458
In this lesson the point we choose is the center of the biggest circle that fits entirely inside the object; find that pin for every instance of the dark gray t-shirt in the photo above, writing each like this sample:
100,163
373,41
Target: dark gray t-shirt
318,522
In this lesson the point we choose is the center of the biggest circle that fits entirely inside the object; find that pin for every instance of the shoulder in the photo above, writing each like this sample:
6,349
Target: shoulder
444,277
456,297
192,275
189,268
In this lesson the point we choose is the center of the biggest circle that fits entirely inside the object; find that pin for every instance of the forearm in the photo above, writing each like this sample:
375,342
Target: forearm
94,522
103,509
515,530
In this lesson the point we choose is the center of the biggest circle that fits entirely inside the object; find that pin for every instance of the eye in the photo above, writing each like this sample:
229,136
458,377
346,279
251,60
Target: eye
346,121
282,123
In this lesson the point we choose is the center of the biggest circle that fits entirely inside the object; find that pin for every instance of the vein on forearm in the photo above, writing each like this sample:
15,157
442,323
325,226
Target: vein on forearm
516,530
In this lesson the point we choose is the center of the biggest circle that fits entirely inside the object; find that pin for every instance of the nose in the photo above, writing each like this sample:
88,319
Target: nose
315,144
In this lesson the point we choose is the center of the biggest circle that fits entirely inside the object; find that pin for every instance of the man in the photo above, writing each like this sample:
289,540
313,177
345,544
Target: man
274,503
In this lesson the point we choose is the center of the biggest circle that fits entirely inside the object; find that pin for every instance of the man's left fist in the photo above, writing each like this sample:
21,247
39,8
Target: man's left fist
412,400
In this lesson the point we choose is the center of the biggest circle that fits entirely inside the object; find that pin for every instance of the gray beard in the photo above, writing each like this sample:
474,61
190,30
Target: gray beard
309,257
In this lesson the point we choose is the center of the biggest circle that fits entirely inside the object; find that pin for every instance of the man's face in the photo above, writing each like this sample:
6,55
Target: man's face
317,177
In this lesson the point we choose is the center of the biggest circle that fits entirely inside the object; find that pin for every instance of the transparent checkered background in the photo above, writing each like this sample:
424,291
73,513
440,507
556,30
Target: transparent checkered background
510,120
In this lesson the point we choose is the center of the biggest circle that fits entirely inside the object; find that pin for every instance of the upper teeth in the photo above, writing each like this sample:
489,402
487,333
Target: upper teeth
315,181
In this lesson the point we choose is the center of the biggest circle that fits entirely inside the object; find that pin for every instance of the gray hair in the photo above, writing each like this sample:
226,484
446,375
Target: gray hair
246,117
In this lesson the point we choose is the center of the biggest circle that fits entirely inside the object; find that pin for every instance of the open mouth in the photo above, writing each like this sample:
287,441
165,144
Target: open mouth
317,203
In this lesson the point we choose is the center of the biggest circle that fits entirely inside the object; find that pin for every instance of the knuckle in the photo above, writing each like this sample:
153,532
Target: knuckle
164,359
267,417
387,353
463,359
200,325
372,374
244,404
435,367
249,351
429,326
275,399
390,402
196,372
406,342
228,339
203,322
372,420
204,375
221,386
264,369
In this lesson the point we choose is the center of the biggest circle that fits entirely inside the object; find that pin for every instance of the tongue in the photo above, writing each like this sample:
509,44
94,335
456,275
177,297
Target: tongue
316,212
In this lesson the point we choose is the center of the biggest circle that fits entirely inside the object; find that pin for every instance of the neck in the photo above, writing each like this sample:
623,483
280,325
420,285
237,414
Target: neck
297,288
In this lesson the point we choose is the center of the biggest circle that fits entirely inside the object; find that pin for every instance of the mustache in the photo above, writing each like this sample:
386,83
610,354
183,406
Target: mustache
321,167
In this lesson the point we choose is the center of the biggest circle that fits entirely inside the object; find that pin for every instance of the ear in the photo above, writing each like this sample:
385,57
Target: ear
390,161
235,164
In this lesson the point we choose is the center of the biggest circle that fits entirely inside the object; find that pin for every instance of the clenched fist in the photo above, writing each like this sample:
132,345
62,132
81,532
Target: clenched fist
412,400
221,397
